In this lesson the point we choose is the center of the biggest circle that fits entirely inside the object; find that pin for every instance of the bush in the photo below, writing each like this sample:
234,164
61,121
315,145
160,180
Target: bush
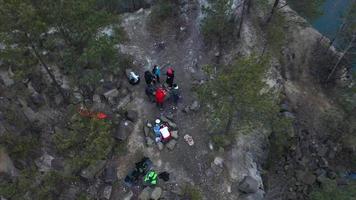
21,147
162,11
331,191
217,26
88,140
192,192
34,185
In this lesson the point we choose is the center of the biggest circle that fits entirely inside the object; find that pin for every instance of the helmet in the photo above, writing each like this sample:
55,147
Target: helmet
158,121
170,70
175,86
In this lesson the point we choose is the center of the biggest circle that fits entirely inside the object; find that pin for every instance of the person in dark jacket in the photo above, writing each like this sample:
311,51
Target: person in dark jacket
175,95
149,77
170,77
150,92
156,71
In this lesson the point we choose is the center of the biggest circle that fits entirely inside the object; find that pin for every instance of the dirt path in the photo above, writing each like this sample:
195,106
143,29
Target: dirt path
187,164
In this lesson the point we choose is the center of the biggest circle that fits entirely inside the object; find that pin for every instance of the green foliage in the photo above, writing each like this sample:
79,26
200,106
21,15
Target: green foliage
222,140
218,25
69,31
276,35
162,11
121,6
88,140
331,191
282,132
34,185
20,147
193,193
235,92
310,9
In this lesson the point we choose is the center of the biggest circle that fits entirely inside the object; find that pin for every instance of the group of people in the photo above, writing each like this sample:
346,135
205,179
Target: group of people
159,92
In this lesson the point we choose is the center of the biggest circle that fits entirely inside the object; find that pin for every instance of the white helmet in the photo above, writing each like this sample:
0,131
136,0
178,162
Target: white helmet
158,121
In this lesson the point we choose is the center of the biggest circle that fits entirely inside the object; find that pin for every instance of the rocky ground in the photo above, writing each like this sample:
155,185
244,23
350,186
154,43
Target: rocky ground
196,166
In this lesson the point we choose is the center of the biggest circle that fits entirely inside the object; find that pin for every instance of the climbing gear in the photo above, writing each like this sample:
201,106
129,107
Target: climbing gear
84,112
189,139
133,78
151,178
141,168
164,176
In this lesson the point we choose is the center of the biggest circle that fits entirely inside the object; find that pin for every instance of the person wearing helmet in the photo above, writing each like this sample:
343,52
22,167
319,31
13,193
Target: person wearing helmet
157,72
156,130
175,95
170,77
149,78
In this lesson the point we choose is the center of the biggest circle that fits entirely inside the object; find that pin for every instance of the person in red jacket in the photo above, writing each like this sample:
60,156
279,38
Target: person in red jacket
160,96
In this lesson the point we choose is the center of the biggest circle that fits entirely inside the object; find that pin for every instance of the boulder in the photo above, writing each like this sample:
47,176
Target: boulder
128,196
96,98
218,161
170,123
160,146
149,141
306,177
195,106
44,163
69,194
92,170
58,99
110,174
146,131
156,193
254,196
37,99
289,115
106,192
186,109
131,115
145,194
109,85
322,150
170,116
58,164
6,165
124,129
175,134
171,144
248,185
111,93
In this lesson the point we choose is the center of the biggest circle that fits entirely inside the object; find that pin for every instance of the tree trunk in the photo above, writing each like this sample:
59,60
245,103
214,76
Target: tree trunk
276,2
342,56
241,19
45,66
337,33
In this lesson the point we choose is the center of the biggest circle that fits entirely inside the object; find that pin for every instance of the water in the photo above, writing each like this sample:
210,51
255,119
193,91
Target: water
330,21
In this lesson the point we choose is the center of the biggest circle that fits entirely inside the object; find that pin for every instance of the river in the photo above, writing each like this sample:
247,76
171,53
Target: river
331,19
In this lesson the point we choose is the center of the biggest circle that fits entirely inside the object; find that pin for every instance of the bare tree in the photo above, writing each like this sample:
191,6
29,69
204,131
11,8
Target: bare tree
341,57
275,6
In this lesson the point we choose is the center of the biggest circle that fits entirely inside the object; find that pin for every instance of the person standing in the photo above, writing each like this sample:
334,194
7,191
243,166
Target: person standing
160,96
170,77
157,72
175,95
149,78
